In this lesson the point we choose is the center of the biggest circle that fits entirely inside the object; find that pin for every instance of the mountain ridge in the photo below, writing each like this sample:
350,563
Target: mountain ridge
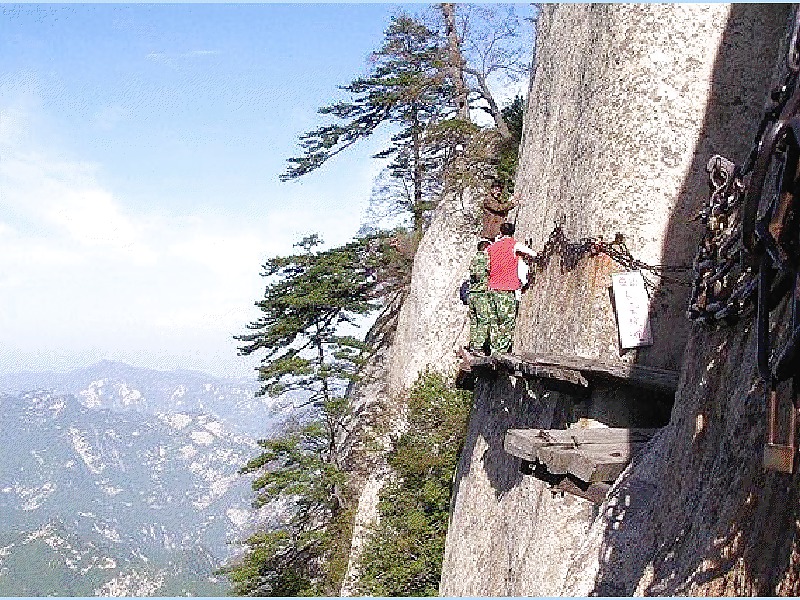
126,479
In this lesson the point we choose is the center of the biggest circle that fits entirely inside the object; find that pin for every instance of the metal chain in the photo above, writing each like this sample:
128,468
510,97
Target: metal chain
750,251
724,285
726,276
572,252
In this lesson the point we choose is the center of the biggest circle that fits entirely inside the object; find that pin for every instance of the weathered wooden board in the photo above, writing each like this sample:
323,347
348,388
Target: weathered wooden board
523,444
481,361
601,462
577,371
592,462
591,455
556,372
558,459
648,377
574,437
595,492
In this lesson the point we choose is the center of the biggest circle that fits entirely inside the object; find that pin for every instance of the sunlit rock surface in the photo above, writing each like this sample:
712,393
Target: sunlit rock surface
626,105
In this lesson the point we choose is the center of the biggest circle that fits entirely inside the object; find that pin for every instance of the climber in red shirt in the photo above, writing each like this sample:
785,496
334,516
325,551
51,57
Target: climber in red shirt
503,282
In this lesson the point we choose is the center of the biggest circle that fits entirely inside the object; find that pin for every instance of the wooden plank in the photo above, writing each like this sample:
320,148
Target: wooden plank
577,437
595,492
481,361
539,437
557,459
649,377
574,370
611,435
592,455
593,463
522,443
601,462
516,364
555,373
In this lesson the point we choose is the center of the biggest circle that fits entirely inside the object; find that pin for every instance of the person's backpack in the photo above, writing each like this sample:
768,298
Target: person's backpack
463,292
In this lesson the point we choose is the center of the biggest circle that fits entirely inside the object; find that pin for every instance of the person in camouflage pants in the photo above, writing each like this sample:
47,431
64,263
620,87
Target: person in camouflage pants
479,307
503,317
503,283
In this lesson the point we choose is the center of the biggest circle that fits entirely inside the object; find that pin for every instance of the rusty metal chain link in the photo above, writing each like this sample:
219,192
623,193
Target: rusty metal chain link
750,251
572,252
724,285
726,272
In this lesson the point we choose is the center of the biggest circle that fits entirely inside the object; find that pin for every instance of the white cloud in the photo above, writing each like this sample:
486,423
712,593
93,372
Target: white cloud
84,273
58,203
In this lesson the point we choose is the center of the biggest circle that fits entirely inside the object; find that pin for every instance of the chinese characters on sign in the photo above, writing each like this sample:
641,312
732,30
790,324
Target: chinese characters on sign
633,308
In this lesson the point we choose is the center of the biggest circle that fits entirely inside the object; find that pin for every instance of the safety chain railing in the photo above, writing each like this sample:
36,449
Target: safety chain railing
751,249
572,252
724,284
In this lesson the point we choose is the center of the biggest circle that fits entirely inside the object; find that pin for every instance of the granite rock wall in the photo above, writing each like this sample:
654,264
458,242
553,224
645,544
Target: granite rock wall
626,105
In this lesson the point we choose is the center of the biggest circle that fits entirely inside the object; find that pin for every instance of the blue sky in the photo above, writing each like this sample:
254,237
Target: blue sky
140,148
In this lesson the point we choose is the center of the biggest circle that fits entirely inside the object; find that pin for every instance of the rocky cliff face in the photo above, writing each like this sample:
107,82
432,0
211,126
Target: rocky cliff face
626,105
423,332
433,321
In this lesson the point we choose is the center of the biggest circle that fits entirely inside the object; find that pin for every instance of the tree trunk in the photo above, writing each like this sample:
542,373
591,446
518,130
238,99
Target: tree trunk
494,109
455,60
416,142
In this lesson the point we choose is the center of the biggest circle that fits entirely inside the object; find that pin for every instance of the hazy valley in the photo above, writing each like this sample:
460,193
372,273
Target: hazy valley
123,481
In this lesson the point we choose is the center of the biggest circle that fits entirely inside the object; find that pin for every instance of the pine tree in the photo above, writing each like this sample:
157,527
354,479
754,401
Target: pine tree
309,297
405,88
508,153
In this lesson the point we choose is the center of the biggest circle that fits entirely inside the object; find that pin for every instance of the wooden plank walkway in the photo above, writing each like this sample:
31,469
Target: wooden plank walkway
572,370
591,455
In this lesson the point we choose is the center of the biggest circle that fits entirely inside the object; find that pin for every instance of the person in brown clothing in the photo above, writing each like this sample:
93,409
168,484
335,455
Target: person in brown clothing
495,210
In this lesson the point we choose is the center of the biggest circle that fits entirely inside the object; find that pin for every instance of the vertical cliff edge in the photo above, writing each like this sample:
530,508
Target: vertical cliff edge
626,105
422,333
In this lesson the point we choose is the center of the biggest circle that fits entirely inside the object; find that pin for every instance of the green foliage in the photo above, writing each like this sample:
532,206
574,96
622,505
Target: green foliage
309,296
292,560
485,156
508,153
514,115
412,86
404,88
403,555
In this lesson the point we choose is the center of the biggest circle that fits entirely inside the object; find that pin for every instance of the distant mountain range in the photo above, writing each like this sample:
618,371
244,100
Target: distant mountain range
116,480
119,386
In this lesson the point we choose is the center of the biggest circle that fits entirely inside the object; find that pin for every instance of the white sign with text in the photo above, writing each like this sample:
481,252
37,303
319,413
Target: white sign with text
633,308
